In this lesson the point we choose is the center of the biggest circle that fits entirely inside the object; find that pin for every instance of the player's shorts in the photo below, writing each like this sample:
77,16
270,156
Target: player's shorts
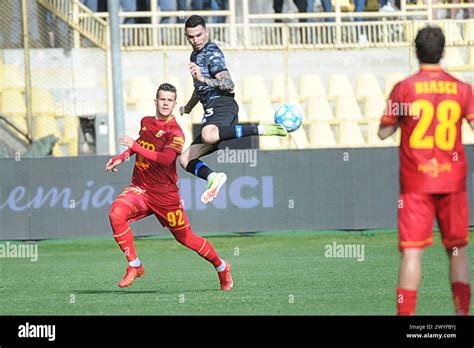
222,111
167,207
416,214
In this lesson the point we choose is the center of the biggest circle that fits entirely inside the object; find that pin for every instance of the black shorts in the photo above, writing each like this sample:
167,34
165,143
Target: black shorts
223,111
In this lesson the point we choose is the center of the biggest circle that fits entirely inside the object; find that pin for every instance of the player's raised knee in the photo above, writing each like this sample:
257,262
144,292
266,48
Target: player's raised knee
210,135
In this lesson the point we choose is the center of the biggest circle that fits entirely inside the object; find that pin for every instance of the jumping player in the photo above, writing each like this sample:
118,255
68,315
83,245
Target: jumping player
213,87
433,169
154,190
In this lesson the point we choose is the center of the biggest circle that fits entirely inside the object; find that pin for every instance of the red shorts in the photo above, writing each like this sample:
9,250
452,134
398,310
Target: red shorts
417,211
167,207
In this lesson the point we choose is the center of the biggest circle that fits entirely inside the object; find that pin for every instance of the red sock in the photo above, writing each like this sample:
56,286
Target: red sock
198,244
406,301
119,214
461,297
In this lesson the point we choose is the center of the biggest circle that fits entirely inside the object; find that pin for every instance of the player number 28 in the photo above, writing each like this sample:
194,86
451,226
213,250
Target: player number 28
447,113
175,218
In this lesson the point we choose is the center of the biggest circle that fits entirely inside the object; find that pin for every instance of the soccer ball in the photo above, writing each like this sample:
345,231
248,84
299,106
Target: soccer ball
289,116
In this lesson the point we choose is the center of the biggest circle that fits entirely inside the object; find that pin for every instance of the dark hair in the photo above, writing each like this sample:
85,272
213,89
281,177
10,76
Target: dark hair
430,45
166,87
194,21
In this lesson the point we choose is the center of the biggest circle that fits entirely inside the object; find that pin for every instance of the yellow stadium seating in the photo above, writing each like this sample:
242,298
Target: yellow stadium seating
452,58
347,108
45,125
300,138
311,86
319,109
20,123
467,133
321,135
374,107
372,137
254,88
12,103
140,88
42,103
71,131
367,86
11,77
391,79
261,111
270,143
350,134
339,85
279,94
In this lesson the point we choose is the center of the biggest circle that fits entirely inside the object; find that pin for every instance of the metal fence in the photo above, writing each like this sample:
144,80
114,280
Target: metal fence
50,84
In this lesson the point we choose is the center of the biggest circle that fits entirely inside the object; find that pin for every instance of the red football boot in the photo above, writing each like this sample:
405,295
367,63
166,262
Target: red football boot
132,274
226,278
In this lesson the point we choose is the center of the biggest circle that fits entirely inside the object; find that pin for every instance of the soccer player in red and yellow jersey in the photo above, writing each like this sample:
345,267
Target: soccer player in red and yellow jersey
430,107
154,190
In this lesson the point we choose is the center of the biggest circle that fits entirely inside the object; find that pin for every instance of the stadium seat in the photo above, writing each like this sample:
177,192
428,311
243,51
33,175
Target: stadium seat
19,122
270,143
254,88
180,97
319,109
367,86
374,107
350,134
42,103
470,57
372,137
300,139
140,88
311,86
470,32
391,79
278,91
71,131
45,125
347,108
467,133
339,85
11,77
12,103
261,111
452,58
321,135
145,107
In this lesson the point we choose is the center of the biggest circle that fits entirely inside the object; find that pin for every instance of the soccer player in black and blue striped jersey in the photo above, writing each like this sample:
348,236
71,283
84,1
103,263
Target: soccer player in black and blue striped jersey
213,87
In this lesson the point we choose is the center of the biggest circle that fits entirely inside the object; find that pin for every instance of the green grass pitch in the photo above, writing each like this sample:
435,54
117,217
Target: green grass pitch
284,273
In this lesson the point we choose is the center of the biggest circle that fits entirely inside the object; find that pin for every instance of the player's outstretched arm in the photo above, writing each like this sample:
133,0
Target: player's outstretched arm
112,163
190,105
165,157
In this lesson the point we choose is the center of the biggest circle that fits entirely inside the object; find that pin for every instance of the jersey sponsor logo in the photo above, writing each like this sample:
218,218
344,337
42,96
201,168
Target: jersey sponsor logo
147,145
160,133
433,168
177,143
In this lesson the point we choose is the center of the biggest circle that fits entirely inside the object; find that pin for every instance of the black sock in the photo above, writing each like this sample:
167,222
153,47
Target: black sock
199,168
233,132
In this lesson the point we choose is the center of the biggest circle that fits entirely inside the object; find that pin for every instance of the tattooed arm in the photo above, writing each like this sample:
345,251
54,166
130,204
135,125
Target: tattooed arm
223,81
